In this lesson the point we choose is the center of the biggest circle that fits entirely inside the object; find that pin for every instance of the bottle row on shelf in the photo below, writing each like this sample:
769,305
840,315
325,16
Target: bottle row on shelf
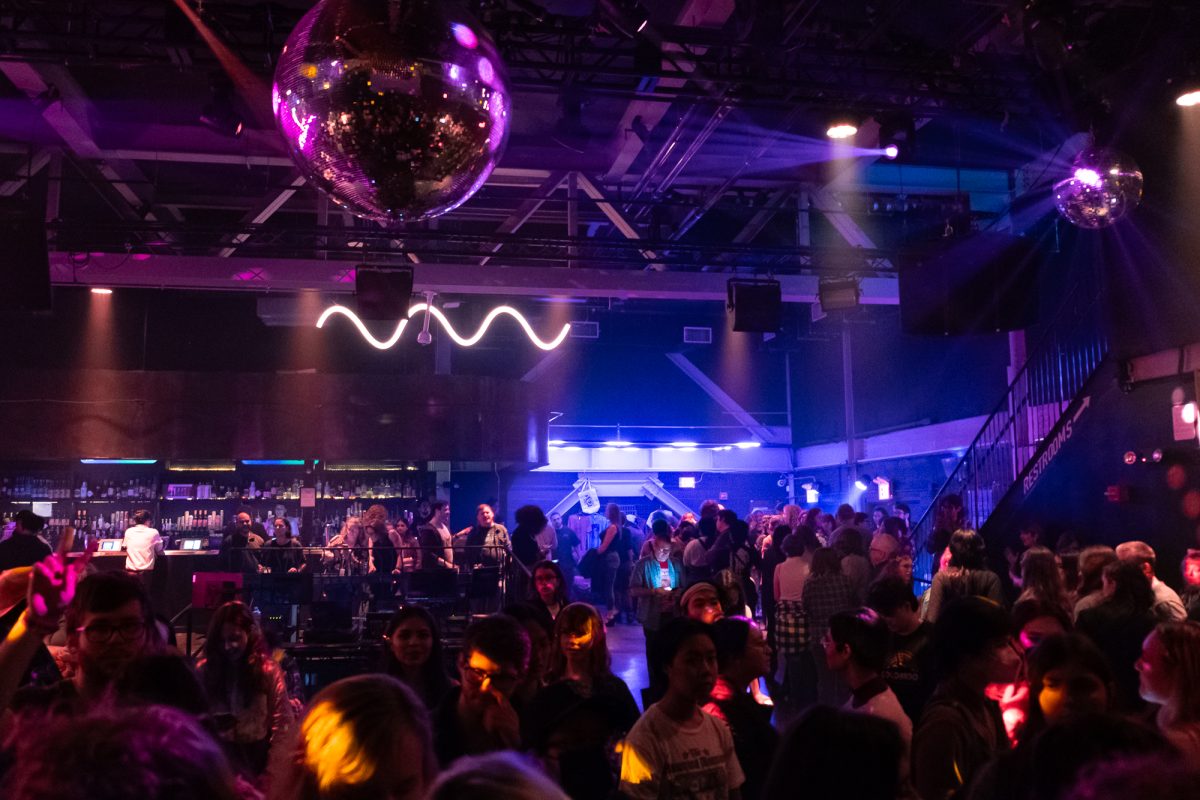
148,489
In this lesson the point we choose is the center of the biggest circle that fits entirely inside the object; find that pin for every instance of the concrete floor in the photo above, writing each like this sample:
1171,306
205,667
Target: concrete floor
627,646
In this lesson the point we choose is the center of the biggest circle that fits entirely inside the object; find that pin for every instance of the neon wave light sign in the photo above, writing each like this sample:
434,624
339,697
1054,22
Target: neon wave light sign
436,313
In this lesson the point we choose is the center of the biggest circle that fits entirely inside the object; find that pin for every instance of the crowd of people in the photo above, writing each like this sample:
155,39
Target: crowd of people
790,654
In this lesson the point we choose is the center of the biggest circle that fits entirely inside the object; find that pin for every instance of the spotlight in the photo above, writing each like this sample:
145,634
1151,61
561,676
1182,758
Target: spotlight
891,151
1187,413
841,128
1130,457
99,290
838,294
897,134
747,445
1189,98
219,114
863,482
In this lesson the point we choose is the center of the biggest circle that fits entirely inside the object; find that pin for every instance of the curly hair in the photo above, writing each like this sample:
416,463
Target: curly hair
375,515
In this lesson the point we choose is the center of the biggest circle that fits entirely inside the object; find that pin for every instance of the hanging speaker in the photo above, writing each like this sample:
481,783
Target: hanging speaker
754,306
382,293
24,264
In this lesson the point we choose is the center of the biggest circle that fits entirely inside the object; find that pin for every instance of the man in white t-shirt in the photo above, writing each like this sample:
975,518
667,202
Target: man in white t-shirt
143,544
677,751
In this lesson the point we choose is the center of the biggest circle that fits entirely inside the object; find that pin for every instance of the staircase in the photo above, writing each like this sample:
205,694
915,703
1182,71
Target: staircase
1031,423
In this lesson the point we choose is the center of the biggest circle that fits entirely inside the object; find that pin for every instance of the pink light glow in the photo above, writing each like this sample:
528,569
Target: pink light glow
1088,177
487,73
465,36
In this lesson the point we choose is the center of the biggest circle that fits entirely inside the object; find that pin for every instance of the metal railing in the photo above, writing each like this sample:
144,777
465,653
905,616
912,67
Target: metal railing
1066,355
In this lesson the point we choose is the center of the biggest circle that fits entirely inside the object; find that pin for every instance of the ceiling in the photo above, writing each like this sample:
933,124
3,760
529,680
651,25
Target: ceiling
686,145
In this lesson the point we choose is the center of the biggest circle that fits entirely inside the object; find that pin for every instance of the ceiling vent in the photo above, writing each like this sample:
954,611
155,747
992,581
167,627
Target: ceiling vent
697,335
585,330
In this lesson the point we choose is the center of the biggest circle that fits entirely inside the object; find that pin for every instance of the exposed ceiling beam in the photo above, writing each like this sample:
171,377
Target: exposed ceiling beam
612,212
763,433
26,171
527,208
824,201
277,274
264,213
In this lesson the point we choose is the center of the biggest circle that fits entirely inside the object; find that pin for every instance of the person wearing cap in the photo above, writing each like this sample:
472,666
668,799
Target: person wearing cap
24,548
702,602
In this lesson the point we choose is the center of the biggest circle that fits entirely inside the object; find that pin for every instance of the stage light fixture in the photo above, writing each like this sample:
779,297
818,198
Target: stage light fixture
891,152
841,128
838,294
219,114
897,134
101,290
747,445
863,482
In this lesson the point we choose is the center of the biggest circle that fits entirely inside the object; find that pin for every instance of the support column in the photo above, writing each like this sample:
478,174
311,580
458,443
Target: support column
848,403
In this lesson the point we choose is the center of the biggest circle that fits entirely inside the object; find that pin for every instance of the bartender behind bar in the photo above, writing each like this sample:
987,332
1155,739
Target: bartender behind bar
143,545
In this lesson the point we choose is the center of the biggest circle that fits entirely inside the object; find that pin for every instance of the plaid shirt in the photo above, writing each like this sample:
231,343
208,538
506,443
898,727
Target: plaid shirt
791,628
824,596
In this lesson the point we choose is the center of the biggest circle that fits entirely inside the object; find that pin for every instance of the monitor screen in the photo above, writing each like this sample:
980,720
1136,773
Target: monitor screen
192,544
109,545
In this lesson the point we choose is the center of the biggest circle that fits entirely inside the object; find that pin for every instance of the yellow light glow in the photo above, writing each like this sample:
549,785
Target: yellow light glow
331,750
842,130
634,769
1188,99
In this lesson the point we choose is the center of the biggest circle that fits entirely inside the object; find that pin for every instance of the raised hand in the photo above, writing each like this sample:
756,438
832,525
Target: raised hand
52,583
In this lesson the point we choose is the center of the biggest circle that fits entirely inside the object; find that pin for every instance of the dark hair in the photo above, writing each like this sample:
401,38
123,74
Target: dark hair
687,531
968,627
578,619
1055,652
844,513
661,529
499,637
561,593
110,753
835,753
675,633
902,507
849,541
1131,586
502,775
730,635
433,672
967,550
1027,610
363,721
793,545
1064,750
865,633
436,506
888,594
1092,561
140,517
709,509
894,526
531,517
29,521
728,516
860,517
826,561
102,592
253,671
163,679
1041,578
1163,777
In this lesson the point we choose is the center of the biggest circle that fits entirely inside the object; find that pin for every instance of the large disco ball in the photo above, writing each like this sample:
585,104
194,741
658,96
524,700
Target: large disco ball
1103,187
397,109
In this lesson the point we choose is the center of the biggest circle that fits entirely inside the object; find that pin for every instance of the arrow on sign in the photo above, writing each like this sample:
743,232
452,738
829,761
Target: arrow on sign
1087,401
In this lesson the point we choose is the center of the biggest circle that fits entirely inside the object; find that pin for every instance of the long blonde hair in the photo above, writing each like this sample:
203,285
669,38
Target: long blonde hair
351,531
1181,641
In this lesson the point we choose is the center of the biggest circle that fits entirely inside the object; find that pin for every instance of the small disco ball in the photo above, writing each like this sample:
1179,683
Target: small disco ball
1103,187
398,111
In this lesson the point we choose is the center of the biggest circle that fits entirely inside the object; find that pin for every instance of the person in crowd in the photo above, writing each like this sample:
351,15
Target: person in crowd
1190,570
548,593
950,516
772,557
25,547
165,678
629,544
547,541
1089,591
856,648
702,602
1162,777
610,561
409,544
496,776
790,625
882,550
695,554
961,729
437,543
478,716
115,753
1034,620
1079,743
1029,535
484,544
541,645
364,737
826,592
966,576
347,553
414,654
654,584
530,523
677,751
878,515
1120,624
909,665
109,623
1042,579
831,753
733,553
382,544
245,687
567,544
143,545
854,564
743,657
1169,676
904,513
1167,605
573,724
283,553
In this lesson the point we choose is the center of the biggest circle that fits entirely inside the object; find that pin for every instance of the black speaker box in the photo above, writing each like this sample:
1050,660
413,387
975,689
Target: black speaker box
383,294
755,306
24,265
980,284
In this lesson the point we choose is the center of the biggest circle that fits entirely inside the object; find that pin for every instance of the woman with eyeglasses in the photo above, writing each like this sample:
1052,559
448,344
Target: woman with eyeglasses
574,723
245,687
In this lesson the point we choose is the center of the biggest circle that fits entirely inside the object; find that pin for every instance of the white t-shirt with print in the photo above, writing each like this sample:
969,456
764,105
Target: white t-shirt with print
663,760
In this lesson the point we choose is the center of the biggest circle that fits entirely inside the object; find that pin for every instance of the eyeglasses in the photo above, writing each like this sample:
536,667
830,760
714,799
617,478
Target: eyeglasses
503,681
102,632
